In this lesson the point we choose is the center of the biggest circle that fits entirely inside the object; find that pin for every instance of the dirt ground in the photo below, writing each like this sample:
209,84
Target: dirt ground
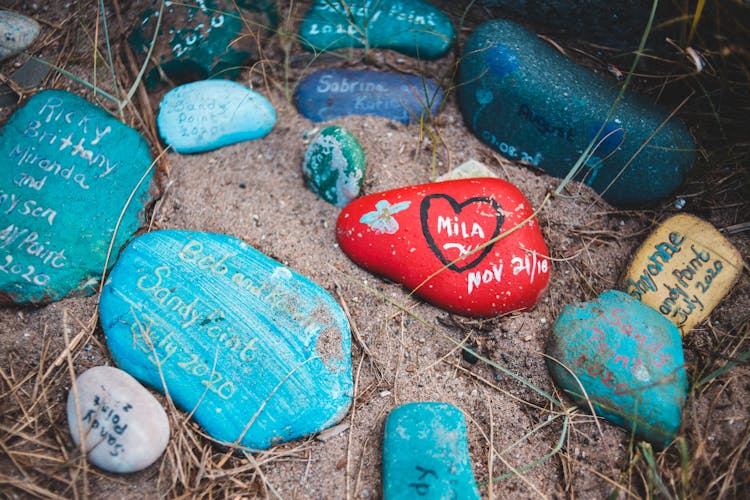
522,443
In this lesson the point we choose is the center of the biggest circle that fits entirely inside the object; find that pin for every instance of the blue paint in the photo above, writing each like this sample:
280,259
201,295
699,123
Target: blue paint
501,60
609,139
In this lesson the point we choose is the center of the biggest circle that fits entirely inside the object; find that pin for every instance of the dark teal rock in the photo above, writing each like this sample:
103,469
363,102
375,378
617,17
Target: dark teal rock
426,454
629,360
334,166
412,27
256,353
524,99
17,32
69,169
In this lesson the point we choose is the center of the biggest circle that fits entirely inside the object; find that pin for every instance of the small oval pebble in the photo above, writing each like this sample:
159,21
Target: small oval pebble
17,32
126,428
209,114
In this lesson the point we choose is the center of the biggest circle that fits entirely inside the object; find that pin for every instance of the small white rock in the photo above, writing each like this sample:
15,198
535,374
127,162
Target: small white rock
17,32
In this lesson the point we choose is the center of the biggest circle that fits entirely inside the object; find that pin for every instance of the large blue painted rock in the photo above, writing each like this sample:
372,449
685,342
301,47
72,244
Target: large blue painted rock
17,32
533,105
209,114
629,360
333,93
426,454
412,27
255,352
69,169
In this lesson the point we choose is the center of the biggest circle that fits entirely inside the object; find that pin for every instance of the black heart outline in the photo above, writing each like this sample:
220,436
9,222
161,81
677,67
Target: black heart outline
424,209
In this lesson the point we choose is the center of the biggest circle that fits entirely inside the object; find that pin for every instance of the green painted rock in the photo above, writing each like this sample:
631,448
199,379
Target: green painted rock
69,169
412,27
204,39
334,166
629,360
533,105
425,453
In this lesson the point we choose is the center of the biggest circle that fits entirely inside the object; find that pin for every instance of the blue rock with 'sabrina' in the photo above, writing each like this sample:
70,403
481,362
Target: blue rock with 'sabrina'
69,170
209,114
533,105
333,93
426,453
255,352
629,360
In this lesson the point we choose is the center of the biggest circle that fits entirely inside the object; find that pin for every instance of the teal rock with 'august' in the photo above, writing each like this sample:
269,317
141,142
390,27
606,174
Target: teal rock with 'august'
334,166
412,27
69,170
426,453
629,360
256,353
17,32
533,105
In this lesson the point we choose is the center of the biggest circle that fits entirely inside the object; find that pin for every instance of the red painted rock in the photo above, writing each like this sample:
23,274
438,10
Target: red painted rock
441,241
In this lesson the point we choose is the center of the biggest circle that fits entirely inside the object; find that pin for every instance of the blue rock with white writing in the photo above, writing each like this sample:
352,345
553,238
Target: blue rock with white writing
426,453
209,114
69,170
17,32
333,93
629,361
256,353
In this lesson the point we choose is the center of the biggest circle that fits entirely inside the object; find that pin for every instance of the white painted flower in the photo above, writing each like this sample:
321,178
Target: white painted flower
381,219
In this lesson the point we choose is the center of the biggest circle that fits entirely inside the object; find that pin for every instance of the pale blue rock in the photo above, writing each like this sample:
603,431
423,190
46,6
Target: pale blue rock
210,114
426,454
255,352
17,32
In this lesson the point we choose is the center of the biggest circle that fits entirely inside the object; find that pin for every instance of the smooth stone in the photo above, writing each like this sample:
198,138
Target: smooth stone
471,169
31,74
530,103
412,27
334,166
629,360
426,453
210,114
683,270
421,236
333,93
67,160
17,32
125,427
256,353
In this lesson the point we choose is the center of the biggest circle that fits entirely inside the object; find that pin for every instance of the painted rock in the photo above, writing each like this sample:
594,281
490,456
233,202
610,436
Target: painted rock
468,170
255,352
451,243
125,427
334,166
209,114
333,93
17,32
629,360
412,27
64,160
683,270
426,454
524,99
200,40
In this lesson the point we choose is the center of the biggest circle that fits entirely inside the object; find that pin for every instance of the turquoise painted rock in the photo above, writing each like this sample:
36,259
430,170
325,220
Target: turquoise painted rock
629,360
533,105
200,40
412,27
17,32
69,169
425,453
334,166
256,353
209,114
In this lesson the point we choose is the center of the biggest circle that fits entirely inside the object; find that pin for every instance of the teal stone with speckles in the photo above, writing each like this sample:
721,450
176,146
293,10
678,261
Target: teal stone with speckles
334,166
527,101
426,453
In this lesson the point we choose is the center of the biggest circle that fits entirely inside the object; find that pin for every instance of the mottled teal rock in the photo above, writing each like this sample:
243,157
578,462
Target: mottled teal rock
426,454
629,360
412,27
334,165
256,353
204,39
210,114
17,32
524,99
69,169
